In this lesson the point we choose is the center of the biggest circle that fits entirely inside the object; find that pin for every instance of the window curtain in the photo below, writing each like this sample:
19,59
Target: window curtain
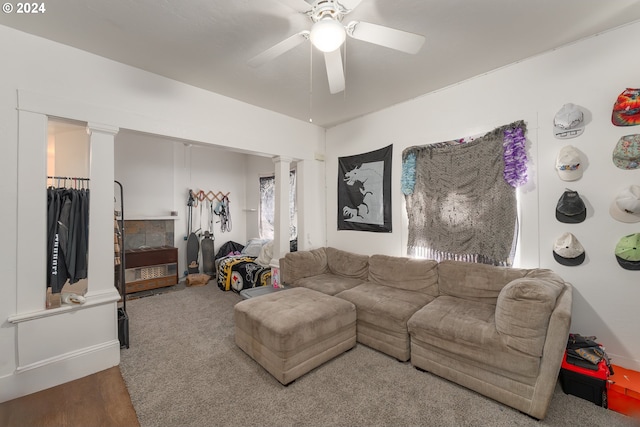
267,207
461,199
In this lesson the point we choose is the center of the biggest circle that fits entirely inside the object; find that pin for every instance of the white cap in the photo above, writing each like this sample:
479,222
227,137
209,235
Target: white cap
568,122
567,250
626,206
568,164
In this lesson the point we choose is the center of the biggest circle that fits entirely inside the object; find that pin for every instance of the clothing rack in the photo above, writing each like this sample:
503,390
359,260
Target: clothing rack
67,224
123,317
71,178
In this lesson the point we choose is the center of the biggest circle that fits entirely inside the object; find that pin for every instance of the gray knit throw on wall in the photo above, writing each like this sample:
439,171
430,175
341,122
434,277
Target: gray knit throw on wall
461,207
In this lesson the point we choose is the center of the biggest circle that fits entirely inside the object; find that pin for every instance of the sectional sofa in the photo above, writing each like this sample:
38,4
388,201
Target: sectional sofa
496,330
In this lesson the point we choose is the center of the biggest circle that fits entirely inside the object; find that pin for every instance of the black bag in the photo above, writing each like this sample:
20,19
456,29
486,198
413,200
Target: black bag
586,352
227,248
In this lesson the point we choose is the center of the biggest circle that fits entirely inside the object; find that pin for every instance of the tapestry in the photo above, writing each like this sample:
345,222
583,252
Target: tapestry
364,191
461,199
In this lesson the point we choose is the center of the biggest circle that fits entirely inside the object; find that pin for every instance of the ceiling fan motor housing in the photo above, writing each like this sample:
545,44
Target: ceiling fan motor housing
323,9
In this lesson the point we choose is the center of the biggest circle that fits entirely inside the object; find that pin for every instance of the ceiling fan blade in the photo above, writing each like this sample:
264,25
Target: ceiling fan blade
277,50
335,71
385,36
297,5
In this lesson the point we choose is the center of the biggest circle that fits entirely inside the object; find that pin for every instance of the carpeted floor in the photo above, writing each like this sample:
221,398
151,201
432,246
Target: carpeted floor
183,368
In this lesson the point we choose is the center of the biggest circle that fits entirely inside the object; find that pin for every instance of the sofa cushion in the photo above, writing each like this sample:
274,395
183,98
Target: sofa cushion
347,264
418,275
467,328
384,306
328,283
524,308
476,282
297,265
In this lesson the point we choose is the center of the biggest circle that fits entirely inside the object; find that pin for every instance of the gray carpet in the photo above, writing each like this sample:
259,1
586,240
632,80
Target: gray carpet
184,369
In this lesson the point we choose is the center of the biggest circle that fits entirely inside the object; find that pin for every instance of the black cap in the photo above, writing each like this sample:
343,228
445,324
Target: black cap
570,208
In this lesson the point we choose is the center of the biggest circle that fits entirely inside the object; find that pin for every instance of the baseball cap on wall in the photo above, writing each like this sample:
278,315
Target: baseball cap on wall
626,154
626,109
626,206
628,252
567,250
568,164
570,208
568,122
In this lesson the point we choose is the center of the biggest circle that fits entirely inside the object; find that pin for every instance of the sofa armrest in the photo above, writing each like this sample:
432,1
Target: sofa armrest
552,353
523,312
298,265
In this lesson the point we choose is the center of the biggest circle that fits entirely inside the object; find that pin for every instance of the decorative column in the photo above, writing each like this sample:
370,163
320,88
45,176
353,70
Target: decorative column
281,214
100,263
31,243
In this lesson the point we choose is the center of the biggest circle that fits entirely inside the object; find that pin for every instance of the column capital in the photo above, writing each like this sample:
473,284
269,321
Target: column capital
281,159
102,128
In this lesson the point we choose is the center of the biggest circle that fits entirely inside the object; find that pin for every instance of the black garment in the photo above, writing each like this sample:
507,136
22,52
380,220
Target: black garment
82,237
58,273
53,213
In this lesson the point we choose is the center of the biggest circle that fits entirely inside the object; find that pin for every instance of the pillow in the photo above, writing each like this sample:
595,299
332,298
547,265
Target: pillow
266,253
347,264
301,264
253,247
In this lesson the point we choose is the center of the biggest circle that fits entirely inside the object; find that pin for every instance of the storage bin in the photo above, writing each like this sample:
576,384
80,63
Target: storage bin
624,391
585,383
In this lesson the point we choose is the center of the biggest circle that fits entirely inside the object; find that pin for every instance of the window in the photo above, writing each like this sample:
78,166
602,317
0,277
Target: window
267,207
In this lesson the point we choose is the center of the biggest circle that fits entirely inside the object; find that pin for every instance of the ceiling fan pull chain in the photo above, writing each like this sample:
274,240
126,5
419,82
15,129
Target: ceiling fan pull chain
344,62
310,82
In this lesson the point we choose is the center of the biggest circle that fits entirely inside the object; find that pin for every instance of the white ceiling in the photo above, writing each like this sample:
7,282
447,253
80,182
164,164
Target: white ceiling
207,43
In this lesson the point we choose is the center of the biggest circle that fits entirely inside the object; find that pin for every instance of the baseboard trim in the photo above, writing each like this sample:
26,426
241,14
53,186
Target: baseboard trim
59,370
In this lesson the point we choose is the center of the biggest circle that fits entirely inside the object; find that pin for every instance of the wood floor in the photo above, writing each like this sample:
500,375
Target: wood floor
99,400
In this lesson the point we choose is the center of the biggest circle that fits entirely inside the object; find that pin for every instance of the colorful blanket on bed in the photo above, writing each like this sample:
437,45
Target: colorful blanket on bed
241,272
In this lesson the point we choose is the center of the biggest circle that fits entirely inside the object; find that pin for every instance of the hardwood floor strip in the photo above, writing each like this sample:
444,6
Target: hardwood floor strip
100,400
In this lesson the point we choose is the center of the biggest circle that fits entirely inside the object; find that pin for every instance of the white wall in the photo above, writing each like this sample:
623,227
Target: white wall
71,153
591,74
41,78
144,166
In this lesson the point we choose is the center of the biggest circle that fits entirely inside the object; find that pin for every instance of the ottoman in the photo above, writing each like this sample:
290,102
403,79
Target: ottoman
294,331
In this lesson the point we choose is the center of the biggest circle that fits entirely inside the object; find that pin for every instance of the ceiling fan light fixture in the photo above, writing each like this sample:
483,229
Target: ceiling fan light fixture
327,34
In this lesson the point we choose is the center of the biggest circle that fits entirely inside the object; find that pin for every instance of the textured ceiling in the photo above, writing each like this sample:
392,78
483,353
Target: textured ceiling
207,43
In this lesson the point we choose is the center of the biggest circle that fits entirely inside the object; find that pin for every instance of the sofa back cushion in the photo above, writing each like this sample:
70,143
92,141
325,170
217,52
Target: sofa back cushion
410,274
476,282
347,264
301,264
524,309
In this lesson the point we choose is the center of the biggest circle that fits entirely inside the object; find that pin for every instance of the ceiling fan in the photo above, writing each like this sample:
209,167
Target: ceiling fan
328,33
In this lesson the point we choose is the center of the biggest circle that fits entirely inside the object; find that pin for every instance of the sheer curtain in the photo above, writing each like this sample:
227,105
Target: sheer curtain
267,207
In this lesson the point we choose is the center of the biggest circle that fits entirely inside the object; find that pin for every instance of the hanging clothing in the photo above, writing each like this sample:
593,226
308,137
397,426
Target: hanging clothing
67,236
